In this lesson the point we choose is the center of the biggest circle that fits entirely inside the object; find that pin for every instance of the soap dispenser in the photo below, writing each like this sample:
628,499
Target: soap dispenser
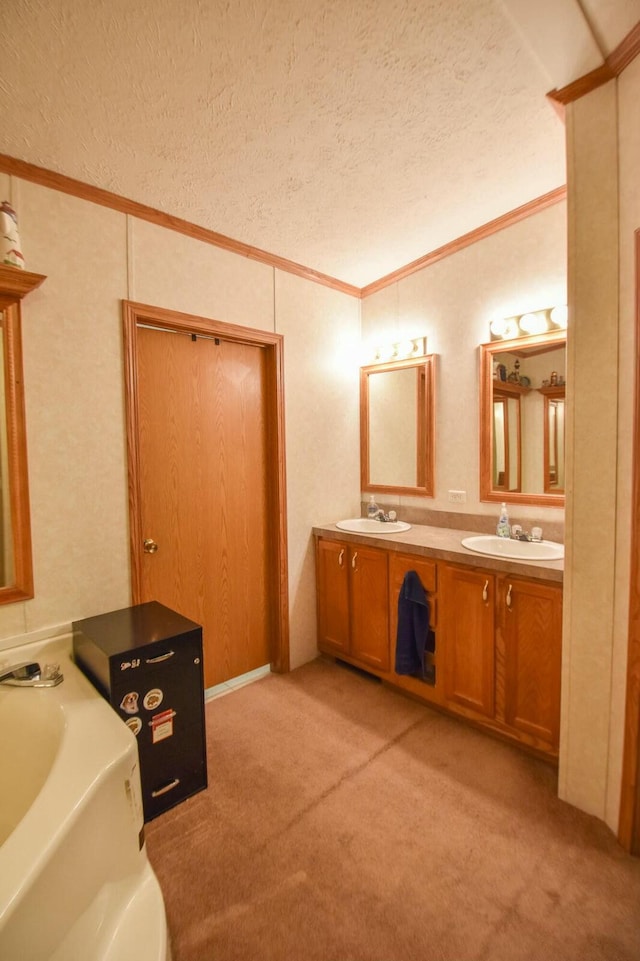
503,529
372,508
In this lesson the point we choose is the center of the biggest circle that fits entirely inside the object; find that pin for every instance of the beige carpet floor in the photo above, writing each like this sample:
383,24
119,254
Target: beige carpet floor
344,822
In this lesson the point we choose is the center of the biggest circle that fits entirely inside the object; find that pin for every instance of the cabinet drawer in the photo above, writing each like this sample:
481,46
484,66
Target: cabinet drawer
426,570
399,565
172,770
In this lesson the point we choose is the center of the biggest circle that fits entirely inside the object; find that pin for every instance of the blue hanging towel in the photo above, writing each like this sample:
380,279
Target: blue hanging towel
414,634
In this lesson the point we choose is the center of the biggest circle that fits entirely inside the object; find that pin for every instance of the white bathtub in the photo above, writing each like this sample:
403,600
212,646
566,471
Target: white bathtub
75,882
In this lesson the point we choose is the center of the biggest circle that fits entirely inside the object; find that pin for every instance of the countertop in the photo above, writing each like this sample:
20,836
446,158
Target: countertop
444,544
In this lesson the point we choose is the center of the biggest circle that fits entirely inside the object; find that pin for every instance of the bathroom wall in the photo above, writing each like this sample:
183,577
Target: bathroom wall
72,336
521,268
603,142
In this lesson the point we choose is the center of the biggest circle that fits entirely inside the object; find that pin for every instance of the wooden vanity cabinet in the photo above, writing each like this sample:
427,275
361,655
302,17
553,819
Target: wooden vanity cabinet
497,657
467,638
353,603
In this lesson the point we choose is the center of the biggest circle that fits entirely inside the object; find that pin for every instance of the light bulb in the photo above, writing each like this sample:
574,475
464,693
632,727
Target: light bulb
533,323
559,315
406,348
511,329
498,327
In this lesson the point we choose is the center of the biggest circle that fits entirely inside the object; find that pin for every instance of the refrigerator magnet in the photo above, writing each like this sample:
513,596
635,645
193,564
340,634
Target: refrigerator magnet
162,725
129,703
134,724
153,699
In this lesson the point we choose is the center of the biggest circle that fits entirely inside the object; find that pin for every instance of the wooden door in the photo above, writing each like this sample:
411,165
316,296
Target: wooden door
369,583
467,637
332,567
202,440
532,617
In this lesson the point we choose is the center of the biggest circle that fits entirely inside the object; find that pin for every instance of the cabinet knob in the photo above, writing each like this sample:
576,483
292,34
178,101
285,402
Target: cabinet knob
150,546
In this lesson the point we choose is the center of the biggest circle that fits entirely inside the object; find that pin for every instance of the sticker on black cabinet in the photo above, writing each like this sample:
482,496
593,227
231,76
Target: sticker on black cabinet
129,703
162,725
153,699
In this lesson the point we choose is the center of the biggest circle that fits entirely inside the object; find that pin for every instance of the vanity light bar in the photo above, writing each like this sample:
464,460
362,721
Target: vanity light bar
534,322
403,350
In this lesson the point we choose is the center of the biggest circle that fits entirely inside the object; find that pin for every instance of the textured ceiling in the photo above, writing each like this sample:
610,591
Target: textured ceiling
350,136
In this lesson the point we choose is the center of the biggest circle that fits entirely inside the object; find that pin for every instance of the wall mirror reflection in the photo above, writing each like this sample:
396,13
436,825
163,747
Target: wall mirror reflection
16,575
397,427
554,406
522,404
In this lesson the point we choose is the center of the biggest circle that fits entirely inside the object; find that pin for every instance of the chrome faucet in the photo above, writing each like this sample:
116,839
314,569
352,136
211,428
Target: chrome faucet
30,674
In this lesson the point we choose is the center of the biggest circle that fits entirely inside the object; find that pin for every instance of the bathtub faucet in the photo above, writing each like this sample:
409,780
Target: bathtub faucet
30,674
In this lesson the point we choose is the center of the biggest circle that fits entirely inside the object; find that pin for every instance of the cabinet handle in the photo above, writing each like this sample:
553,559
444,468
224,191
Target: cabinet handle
341,557
167,787
353,561
159,658
485,591
508,598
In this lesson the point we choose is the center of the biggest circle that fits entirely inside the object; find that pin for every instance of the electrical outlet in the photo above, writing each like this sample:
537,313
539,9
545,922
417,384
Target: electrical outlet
458,497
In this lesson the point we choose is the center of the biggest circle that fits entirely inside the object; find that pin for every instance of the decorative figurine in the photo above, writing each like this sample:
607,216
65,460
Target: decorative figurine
10,251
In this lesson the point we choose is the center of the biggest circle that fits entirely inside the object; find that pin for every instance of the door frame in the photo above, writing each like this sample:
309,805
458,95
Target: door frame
629,822
135,313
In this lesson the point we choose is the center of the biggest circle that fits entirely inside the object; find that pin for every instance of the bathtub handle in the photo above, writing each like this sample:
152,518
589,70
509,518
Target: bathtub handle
160,657
167,787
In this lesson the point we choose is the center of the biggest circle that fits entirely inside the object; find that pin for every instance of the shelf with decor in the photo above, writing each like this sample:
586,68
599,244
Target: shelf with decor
558,390
509,387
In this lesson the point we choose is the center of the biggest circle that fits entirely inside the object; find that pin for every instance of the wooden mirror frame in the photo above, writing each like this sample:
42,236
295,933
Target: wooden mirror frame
550,340
425,427
14,285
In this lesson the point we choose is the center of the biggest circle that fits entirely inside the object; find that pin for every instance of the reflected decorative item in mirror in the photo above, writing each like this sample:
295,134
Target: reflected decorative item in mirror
554,420
521,436
16,574
397,446
506,465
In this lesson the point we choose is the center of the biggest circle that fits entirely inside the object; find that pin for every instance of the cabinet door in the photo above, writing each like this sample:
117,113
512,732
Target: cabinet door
532,650
368,569
426,569
332,574
467,639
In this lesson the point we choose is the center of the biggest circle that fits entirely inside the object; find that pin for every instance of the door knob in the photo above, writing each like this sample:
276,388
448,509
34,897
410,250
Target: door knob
150,546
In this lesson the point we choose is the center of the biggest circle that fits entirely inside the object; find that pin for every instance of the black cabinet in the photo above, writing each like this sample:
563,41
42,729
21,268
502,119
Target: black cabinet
146,660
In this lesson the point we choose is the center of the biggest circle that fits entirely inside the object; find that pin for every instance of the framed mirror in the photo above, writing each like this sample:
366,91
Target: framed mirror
16,571
522,397
397,427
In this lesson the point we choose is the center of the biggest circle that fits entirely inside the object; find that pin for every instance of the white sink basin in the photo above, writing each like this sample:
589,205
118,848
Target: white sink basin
363,525
520,550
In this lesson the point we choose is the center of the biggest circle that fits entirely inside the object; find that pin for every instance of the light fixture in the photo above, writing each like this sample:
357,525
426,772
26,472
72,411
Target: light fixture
533,322
403,350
